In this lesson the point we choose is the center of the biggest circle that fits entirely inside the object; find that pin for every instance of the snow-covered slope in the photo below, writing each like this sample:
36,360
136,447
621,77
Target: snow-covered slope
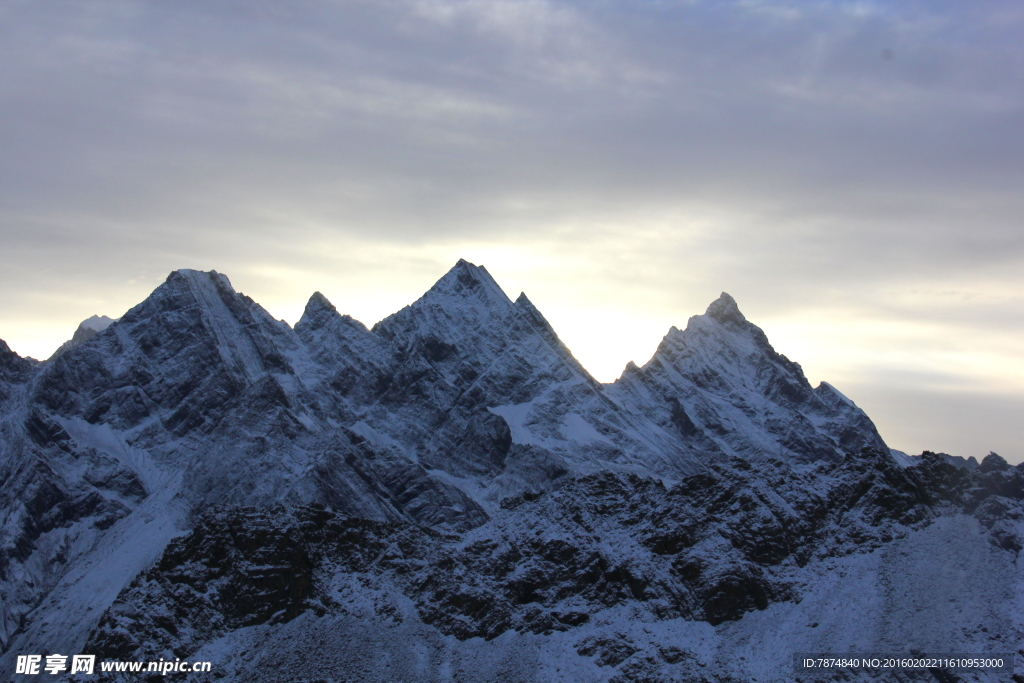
454,470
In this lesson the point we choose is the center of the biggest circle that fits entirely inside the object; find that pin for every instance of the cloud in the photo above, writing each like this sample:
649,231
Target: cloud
853,163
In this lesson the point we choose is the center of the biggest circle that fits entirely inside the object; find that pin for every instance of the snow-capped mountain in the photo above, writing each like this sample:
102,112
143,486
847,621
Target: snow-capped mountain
725,389
451,487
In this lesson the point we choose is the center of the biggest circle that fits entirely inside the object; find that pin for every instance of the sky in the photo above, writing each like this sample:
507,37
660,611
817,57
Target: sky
851,172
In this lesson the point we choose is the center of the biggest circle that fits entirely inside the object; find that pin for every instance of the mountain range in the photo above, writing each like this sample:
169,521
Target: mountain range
450,496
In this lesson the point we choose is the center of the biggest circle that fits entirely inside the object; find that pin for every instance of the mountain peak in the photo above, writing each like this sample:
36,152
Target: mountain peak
468,279
319,312
97,323
724,310
319,302
192,274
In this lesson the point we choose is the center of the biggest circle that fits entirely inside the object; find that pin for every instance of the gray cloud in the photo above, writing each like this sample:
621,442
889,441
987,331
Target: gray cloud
847,158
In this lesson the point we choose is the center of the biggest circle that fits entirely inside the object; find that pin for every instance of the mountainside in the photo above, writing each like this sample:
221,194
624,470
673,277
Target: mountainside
609,576
452,489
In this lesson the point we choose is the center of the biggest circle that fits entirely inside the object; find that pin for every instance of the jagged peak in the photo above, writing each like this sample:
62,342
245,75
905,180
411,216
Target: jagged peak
320,311
466,279
523,302
466,293
12,366
212,294
525,306
203,280
540,324
7,354
724,310
193,274
722,325
97,323
993,462
825,387
723,320
317,312
318,302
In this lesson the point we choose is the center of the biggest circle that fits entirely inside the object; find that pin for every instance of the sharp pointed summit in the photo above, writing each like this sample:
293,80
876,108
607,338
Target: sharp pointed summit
466,303
468,280
725,310
319,310
319,301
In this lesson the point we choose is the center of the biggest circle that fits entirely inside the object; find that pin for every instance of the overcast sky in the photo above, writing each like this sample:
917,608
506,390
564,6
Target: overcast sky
851,172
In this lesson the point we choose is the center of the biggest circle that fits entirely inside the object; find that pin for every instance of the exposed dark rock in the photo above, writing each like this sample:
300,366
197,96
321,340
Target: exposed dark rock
243,567
993,463
706,549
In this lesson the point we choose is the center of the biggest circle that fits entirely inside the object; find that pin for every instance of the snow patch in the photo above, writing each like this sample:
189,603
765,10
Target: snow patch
515,417
577,429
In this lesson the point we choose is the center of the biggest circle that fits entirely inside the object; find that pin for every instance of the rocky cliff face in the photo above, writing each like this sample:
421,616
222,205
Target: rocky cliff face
736,539
198,474
14,371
